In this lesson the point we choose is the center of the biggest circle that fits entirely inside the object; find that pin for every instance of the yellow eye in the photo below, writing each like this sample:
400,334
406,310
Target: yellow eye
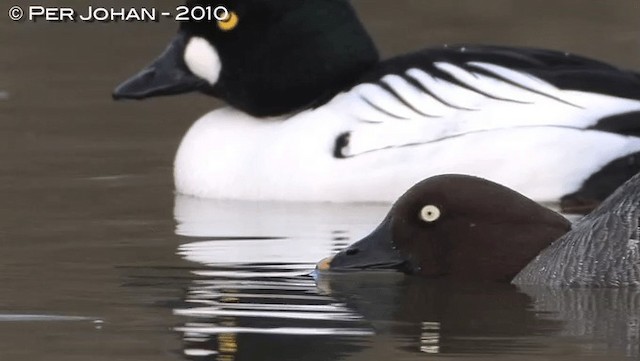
430,213
229,23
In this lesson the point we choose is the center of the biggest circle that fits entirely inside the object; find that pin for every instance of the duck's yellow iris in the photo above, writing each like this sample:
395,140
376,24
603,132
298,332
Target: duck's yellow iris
230,22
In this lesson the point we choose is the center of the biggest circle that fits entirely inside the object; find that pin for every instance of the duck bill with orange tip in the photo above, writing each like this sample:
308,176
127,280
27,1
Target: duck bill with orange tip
374,252
167,75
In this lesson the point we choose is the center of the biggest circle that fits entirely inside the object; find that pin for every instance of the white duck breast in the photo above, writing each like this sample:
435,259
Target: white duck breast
375,140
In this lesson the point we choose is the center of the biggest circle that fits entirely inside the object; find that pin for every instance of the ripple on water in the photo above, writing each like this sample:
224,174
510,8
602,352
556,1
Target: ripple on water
42,318
255,294
251,296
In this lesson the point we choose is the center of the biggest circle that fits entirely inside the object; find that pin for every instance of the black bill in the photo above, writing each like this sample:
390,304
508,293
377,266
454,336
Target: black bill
375,251
168,75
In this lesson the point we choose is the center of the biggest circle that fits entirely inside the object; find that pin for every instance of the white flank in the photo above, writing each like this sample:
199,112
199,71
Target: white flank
529,136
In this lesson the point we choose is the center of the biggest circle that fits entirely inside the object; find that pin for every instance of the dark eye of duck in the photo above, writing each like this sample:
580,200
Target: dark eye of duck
230,21
430,213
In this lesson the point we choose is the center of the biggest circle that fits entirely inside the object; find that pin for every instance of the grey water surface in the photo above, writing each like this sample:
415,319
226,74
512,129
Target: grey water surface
99,260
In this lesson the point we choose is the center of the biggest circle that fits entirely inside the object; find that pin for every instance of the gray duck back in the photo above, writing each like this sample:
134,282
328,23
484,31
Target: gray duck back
602,249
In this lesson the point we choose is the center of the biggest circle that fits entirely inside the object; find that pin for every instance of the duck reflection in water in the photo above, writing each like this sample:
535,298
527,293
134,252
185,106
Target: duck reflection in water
411,315
251,296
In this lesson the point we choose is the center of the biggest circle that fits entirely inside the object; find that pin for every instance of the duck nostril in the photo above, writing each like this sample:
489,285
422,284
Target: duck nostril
352,251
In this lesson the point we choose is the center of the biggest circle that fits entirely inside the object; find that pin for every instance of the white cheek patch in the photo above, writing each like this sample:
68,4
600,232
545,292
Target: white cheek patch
202,59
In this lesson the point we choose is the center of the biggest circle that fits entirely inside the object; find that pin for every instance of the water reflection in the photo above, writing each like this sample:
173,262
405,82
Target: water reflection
241,319
442,317
450,318
253,288
251,296
609,319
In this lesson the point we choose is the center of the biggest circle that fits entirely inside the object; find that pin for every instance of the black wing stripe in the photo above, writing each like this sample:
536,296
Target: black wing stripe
518,85
415,82
382,110
452,79
364,120
398,96
627,123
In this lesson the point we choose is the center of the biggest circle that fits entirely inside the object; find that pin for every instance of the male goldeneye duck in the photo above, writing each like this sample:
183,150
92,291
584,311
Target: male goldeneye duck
467,228
314,115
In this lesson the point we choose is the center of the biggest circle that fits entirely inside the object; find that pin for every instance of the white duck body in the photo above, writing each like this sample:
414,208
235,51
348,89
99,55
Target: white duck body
375,140
318,116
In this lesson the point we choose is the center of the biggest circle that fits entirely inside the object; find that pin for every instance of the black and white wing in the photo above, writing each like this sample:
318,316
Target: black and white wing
436,94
